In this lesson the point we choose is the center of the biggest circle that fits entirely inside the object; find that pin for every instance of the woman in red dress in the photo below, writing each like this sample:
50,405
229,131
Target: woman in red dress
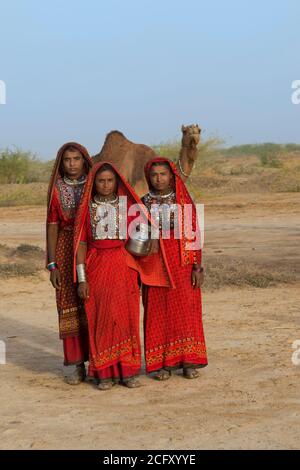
66,185
108,278
174,336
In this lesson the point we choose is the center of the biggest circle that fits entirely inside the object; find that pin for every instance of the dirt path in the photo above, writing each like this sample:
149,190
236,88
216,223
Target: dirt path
248,397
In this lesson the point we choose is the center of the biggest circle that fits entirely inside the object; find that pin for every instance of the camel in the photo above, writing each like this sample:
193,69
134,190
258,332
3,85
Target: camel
130,158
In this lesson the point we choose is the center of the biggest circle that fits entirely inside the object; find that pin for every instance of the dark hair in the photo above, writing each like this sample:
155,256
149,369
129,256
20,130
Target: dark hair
72,148
165,164
106,167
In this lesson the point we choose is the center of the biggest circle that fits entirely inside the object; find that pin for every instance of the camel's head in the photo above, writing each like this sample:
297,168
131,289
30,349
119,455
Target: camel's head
191,135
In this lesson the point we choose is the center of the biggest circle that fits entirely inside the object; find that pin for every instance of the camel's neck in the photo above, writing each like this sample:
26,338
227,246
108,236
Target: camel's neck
188,153
187,157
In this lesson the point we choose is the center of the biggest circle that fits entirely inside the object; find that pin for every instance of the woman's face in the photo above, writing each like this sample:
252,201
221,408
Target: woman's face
73,163
160,177
105,183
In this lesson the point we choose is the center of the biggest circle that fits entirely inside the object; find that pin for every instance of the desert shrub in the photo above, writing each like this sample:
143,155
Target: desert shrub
17,166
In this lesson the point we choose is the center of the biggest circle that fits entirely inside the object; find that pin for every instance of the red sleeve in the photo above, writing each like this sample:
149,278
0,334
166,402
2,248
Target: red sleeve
84,233
199,256
53,214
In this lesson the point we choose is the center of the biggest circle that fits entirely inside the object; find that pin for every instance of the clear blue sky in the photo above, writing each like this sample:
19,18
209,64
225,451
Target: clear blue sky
74,70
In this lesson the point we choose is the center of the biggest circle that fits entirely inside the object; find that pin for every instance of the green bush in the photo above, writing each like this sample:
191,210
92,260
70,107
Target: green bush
20,167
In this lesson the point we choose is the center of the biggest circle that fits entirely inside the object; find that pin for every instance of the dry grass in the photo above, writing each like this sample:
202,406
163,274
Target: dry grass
225,175
17,270
31,194
224,271
221,271
29,251
25,260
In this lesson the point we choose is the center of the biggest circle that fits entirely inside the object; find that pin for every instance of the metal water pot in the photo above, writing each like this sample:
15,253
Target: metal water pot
140,243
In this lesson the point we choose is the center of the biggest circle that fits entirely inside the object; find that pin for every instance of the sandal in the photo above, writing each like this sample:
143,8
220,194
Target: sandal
162,374
132,383
78,376
190,373
105,385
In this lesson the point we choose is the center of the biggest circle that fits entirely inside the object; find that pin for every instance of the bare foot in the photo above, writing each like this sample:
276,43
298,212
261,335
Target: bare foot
162,375
190,373
105,385
132,383
77,376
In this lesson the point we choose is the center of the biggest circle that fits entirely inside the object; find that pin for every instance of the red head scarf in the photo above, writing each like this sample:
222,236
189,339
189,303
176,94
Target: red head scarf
57,165
183,197
153,269
56,173
123,189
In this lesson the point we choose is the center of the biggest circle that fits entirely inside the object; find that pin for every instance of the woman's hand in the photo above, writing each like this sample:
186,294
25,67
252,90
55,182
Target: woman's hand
154,246
197,279
55,279
83,290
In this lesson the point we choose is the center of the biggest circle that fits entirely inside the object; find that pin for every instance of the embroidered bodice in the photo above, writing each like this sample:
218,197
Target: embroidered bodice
162,207
105,219
70,193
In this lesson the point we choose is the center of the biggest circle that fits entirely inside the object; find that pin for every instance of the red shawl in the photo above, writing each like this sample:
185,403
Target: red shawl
55,171
55,174
183,197
153,269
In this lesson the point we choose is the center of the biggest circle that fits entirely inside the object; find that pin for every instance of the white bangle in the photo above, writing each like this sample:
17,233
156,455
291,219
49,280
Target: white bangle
81,273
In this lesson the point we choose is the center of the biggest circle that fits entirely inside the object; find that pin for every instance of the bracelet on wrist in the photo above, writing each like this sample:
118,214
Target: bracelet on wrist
51,266
81,275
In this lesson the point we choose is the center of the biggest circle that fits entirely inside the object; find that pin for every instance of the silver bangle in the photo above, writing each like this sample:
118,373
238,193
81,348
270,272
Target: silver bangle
81,273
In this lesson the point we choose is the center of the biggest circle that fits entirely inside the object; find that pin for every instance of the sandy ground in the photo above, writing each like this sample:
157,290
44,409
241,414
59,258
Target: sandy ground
248,397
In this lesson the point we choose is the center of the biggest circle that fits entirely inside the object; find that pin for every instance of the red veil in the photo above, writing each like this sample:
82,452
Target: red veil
153,269
55,172
183,197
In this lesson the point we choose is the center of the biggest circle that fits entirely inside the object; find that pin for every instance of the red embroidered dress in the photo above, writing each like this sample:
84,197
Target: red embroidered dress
112,308
174,336
63,202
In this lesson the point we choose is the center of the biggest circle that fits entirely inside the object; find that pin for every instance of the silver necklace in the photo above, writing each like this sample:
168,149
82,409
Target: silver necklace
105,201
161,196
73,182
